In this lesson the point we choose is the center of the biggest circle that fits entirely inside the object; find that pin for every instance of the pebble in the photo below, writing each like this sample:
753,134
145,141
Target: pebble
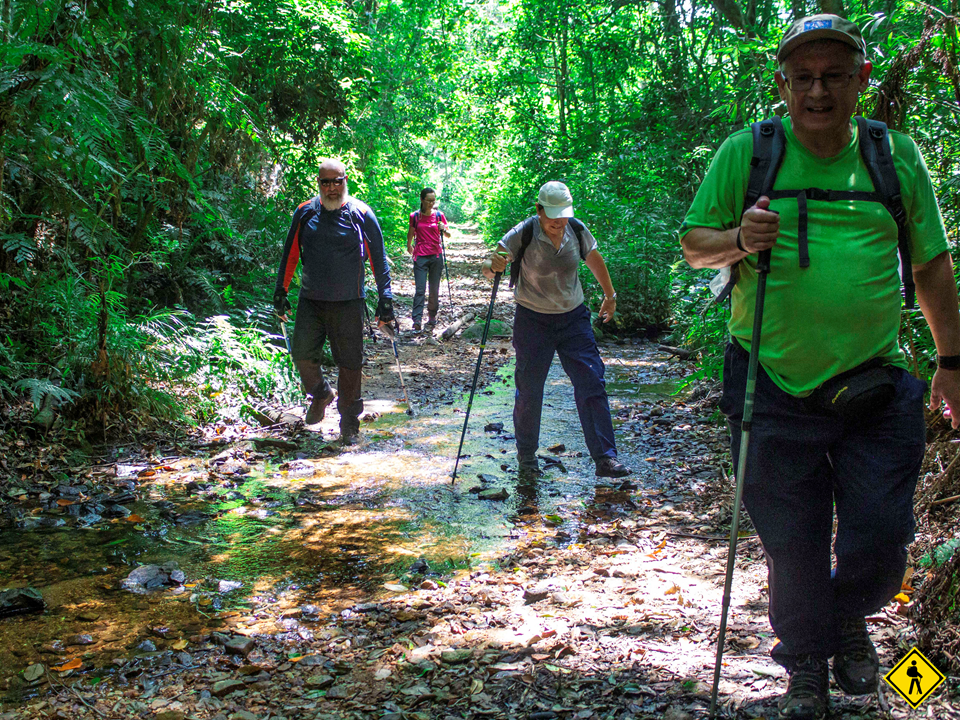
80,640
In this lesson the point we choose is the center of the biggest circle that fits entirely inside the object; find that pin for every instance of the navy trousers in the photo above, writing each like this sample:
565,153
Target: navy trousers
804,464
536,338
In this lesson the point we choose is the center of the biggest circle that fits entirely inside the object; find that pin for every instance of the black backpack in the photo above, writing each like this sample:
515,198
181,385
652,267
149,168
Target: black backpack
526,236
769,143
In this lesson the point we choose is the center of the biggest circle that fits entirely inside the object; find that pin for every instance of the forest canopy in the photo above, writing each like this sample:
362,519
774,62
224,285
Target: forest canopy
152,153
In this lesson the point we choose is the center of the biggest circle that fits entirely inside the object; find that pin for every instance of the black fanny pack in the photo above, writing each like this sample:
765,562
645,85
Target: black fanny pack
857,393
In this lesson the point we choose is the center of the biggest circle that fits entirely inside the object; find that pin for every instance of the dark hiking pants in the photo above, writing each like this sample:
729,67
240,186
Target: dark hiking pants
342,323
804,464
424,267
536,338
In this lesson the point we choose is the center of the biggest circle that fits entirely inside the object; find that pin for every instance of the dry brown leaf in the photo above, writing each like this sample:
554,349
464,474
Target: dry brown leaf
63,502
74,664
672,590
134,518
658,548
180,644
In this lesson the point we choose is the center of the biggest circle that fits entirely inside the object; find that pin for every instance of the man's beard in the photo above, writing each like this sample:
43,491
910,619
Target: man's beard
335,203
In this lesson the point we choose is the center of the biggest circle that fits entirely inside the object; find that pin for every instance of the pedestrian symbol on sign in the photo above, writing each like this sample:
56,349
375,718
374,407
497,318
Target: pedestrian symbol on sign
914,678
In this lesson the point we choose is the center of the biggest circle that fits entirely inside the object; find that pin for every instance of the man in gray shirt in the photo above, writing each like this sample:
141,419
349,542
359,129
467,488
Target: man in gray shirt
551,318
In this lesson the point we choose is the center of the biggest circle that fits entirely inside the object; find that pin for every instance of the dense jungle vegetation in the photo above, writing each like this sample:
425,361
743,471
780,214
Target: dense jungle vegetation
152,152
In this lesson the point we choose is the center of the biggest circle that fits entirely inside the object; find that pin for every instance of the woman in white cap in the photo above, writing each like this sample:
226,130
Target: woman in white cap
551,318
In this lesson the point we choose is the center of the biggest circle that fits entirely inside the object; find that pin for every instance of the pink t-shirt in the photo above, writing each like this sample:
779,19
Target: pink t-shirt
427,233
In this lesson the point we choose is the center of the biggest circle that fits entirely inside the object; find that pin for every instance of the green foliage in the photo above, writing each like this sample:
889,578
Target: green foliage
151,154
231,366
940,555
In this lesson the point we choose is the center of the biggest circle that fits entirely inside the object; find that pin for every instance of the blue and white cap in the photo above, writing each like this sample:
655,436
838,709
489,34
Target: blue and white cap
820,27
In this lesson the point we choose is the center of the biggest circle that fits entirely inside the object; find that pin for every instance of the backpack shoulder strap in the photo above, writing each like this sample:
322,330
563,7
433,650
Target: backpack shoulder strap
526,236
874,141
769,142
578,229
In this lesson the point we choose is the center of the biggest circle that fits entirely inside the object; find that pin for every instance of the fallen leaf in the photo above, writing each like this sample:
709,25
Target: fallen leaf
146,473
74,664
658,548
134,518
180,644
901,598
476,686
63,502
672,590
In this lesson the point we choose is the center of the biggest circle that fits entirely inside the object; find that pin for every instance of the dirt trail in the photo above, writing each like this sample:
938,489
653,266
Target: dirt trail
371,587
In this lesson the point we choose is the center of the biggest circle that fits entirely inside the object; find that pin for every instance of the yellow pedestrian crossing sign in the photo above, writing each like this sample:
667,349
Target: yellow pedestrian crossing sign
914,678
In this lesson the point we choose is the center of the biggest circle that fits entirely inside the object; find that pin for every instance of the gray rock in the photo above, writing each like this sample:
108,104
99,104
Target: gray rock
240,646
152,577
456,657
225,687
83,639
21,602
499,494
319,682
226,586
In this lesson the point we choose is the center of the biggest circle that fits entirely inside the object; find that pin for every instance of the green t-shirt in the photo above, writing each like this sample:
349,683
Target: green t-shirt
845,308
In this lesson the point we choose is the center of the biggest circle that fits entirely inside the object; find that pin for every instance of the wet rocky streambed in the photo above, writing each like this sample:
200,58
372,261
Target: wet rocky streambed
250,573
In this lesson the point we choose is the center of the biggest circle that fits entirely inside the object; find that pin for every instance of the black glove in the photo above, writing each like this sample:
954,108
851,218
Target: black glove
280,302
385,311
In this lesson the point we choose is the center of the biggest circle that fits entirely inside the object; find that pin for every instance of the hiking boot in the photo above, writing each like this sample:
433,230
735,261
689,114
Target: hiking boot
432,322
806,695
417,327
856,664
529,468
349,437
318,406
611,467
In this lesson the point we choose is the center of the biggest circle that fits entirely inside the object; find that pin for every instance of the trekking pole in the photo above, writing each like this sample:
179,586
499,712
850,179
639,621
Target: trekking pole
476,374
393,339
443,249
286,338
763,268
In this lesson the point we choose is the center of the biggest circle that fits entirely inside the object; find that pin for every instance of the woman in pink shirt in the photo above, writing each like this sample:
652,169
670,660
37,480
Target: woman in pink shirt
425,244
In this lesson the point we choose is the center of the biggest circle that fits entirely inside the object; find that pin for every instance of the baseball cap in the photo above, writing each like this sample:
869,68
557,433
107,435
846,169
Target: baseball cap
820,27
556,200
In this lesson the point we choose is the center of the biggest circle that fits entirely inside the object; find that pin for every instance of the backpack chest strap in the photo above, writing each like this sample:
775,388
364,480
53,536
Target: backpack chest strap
820,195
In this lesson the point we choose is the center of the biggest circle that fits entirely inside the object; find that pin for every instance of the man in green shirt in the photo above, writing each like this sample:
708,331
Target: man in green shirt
831,317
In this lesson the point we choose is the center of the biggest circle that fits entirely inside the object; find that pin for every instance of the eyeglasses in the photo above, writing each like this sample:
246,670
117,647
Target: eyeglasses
829,81
324,182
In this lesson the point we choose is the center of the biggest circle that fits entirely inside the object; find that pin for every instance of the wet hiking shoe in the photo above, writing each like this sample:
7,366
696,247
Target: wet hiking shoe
806,695
529,468
856,664
611,467
319,406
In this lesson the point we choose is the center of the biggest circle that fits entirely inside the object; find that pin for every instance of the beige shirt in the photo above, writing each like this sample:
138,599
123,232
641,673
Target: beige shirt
549,282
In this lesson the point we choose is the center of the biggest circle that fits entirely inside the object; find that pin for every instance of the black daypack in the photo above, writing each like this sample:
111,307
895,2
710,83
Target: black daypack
526,236
769,143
